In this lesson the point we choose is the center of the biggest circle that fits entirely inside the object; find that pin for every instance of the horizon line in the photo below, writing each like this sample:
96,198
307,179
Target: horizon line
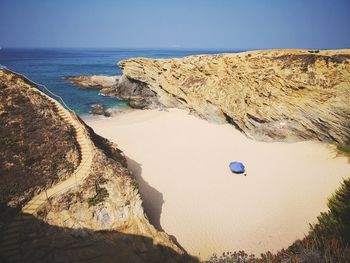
168,48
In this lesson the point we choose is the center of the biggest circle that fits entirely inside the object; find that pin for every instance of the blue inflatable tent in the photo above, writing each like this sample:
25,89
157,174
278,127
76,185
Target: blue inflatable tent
237,167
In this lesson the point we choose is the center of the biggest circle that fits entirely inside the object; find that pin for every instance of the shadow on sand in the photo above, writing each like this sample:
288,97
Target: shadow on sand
151,197
38,241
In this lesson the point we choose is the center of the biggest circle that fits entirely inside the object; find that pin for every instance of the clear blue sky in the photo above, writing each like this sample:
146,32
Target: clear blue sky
247,24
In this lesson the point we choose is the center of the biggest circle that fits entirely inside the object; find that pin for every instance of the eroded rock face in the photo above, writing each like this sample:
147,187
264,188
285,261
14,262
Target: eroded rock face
285,95
107,200
100,218
137,93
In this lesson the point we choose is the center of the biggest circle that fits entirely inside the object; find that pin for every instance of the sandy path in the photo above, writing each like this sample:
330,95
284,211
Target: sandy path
9,246
182,162
82,171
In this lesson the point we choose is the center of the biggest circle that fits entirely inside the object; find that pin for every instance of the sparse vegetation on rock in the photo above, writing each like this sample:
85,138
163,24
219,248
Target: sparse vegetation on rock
38,148
31,158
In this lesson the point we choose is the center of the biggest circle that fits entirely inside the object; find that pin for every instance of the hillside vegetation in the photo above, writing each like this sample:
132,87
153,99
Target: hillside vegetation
97,218
37,148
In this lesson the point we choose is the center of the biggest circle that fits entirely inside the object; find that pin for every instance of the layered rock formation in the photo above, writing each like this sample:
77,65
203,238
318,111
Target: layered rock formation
269,95
100,215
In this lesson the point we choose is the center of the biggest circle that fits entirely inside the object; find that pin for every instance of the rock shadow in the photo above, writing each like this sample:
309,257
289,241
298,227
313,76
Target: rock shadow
151,197
33,241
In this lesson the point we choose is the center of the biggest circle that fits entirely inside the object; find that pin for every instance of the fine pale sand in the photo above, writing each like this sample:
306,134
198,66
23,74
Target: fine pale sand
182,161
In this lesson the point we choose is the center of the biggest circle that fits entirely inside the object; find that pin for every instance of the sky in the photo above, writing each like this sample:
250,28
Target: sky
200,24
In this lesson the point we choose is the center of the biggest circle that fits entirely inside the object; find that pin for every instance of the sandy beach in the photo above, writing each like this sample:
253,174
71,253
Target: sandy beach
181,163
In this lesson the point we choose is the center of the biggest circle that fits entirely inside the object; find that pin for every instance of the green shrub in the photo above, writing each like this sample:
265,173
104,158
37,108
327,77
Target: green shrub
336,222
100,196
344,148
8,141
71,132
314,51
29,160
3,85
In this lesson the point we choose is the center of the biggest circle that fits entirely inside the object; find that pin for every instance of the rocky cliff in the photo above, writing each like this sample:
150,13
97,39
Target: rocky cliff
96,217
285,95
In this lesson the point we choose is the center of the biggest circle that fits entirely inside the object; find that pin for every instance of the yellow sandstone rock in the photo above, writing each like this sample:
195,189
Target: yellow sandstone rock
270,94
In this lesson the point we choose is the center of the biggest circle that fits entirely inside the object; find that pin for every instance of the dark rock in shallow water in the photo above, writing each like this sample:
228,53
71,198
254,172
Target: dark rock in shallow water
139,95
98,109
129,88
139,104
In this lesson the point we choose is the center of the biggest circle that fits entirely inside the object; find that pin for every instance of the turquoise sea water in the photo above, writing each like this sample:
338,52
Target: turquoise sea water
49,66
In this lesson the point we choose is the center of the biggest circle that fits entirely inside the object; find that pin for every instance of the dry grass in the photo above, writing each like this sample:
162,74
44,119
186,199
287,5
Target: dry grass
34,142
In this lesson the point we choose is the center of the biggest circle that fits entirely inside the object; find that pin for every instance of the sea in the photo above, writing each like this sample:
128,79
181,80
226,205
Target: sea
49,66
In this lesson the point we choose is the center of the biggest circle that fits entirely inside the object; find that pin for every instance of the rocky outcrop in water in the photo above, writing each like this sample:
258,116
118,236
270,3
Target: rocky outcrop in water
136,93
94,81
285,95
98,109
